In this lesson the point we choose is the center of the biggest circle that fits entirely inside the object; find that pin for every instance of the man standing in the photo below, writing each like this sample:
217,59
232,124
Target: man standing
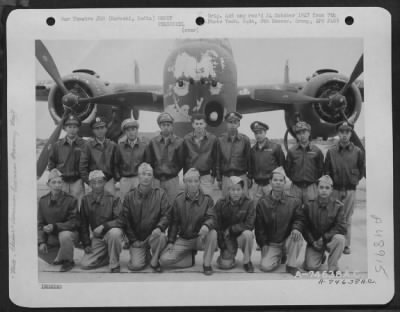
304,164
99,154
345,163
164,154
65,155
145,217
58,222
233,154
265,156
325,228
278,227
193,219
129,155
235,216
99,211
200,152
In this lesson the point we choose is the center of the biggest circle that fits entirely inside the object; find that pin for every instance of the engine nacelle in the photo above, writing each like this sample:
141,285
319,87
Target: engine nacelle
324,117
83,85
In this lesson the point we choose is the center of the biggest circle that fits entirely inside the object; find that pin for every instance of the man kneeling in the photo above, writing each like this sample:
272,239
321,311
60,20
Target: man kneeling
145,216
193,219
279,222
235,215
99,211
325,228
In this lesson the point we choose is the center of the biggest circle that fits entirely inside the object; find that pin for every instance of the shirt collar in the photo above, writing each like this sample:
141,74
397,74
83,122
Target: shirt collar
96,142
307,147
347,147
142,194
96,199
264,144
323,203
235,137
171,138
56,200
196,198
67,140
135,142
280,200
205,136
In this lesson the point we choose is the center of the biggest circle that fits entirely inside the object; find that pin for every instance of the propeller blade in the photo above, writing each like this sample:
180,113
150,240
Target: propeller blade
44,155
45,59
357,71
285,97
128,97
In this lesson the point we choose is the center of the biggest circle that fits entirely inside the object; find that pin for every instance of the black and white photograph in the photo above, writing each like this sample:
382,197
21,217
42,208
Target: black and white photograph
201,160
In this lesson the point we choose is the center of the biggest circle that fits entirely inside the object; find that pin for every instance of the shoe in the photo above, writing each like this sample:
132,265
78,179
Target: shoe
248,267
283,259
207,270
346,250
67,266
293,270
58,262
116,270
157,268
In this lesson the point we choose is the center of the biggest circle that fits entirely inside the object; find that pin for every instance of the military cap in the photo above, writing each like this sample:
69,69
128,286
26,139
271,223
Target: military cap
300,126
279,170
130,122
72,120
198,116
54,173
325,179
144,167
96,174
235,179
345,126
258,125
98,121
233,116
192,172
165,117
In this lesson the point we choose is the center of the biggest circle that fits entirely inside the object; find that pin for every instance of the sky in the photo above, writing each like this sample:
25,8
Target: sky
258,61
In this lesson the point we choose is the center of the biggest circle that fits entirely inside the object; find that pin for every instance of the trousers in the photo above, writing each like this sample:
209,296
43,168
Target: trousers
62,244
149,252
313,258
304,193
207,184
271,254
105,250
76,189
348,199
180,255
258,191
126,184
245,242
171,187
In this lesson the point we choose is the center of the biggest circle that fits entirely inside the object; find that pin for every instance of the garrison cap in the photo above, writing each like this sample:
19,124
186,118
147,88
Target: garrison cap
145,167
98,121
325,179
96,174
258,125
279,170
192,172
54,173
72,120
300,126
233,116
345,126
235,180
130,122
164,117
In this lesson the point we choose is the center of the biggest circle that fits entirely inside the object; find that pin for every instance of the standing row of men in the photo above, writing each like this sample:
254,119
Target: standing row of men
215,158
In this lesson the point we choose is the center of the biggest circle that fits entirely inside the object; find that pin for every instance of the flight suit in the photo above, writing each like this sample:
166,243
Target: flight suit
203,157
96,210
263,160
346,167
324,219
235,223
275,220
141,214
304,166
187,217
127,161
233,159
65,156
98,156
166,158
62,212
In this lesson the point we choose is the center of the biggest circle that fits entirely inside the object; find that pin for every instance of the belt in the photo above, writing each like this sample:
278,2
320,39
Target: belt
230,173
344,187
165,177
262,182
303,184
129,176
71,179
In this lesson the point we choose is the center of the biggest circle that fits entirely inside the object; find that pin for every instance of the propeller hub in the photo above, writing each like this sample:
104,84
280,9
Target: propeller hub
70,100
338,101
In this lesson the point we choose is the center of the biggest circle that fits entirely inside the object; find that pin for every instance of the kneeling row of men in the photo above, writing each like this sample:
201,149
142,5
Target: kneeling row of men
193,222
